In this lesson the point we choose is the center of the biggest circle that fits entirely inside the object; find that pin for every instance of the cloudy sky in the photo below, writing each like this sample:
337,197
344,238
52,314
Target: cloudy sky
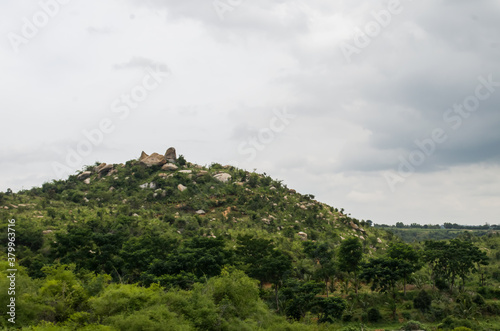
389,109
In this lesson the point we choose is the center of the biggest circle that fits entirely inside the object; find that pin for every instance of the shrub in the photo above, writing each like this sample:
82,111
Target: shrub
479,300
412,325
374,315
423,301
450,323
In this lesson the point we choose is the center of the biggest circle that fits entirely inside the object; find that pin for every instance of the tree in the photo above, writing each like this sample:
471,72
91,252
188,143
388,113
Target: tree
404,252
275,268
323,260
251,252
384,273
458,258
349,258
299,297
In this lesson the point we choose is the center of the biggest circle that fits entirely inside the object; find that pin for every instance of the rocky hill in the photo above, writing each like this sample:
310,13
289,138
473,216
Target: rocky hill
161,241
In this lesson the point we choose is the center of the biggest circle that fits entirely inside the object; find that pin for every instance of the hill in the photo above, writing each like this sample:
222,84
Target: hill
162,243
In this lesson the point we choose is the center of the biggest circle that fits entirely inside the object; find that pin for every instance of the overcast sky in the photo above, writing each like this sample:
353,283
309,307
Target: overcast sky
389,109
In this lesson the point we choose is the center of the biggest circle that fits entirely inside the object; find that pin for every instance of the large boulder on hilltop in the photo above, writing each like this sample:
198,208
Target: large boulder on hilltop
143,156
154,159
171,155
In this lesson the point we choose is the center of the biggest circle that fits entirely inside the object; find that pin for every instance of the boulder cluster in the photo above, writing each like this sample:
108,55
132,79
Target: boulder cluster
156,159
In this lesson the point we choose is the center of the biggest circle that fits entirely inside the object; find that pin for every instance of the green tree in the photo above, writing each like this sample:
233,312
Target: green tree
349,258
384,273
322,256
406,253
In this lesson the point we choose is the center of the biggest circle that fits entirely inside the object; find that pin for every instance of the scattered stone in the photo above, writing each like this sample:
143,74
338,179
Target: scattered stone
151,185
379,240
353,225
272,188
87,181
46,231
111,189
171,155
84,175
185,171
223,177
154,159
181,187
164,175
200,212
169,166
135,215
302,235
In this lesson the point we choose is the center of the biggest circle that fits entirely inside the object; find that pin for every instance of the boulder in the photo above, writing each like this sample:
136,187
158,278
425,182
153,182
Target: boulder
87,181
169,166
200,212
302,235
223,177
84,175
154,159
181,187
143,156
105,169
185,171
171,155
99,167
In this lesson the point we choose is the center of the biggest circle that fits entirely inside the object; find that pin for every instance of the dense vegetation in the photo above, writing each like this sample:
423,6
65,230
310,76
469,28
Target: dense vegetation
132,251
417,232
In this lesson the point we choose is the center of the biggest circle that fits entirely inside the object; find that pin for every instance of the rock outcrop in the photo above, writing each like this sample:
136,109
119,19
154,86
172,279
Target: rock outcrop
143,156
154,159
171,155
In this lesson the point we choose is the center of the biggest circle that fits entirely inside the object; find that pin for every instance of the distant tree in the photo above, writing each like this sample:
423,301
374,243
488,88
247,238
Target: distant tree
406,253
400,225
322,256
299,297
275,268
384,273
458,258
349,258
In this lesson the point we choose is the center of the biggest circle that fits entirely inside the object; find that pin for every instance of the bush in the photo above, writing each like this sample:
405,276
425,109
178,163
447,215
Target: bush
374,315
423,301
412,325
479,300
332,309
450,323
